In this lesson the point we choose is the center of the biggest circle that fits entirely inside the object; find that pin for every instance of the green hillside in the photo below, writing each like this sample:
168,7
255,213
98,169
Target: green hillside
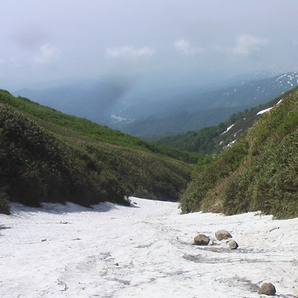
214,139
48,156
258,172
89,128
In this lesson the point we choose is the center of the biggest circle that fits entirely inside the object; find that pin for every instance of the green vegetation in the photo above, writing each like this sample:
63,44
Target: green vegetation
195,141
48,156
213,139
179,122
258,172
90,129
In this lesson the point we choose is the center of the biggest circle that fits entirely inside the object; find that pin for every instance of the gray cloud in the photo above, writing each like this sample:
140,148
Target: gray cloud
247,44
165,38
184,47
47,54
129,52
30,36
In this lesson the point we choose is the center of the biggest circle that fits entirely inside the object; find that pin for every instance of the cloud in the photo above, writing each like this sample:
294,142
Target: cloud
14,62
185,48
30,36
129,52
47,54
294,43
247,44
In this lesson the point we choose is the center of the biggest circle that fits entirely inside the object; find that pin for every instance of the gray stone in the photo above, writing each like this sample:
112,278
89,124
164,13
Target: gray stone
222,235
233,244
201,239
267,289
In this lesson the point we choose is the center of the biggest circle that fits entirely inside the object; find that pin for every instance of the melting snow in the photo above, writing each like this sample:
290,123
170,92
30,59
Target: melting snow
228,128
290,78
282,76
142,251
231,143
118,118
263,111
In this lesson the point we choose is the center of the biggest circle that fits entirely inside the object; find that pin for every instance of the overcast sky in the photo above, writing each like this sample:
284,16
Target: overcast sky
43,40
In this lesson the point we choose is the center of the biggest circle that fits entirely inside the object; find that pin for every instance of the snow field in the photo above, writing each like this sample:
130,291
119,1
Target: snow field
142,251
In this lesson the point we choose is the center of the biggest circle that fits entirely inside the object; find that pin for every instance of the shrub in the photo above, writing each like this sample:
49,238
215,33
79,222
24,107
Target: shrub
41,161
258,172
4,203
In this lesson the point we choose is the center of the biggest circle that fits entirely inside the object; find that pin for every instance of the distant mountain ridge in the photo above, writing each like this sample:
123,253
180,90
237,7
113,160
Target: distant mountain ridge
190,112
157,112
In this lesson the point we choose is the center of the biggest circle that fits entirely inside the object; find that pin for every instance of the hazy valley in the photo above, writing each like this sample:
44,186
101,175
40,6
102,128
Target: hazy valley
160,112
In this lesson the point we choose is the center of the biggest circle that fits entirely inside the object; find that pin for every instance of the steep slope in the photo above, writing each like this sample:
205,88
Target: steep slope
90,129
49,156
192,111
257,172
214,139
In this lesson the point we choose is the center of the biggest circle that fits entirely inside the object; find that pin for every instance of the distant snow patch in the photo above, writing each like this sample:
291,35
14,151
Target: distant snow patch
282,76
231,143
227,129
118,118
264,111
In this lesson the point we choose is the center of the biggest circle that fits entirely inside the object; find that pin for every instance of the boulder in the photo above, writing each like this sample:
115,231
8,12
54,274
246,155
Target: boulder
233,244
222,235
267,289
201,239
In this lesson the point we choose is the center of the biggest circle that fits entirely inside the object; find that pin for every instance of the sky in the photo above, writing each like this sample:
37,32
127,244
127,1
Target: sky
167,41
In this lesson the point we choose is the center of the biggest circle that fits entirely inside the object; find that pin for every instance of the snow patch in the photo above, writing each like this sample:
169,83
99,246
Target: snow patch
228,128
282,76
264,111
231,143
118,118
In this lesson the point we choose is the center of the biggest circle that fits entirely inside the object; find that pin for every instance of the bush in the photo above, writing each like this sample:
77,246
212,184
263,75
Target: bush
258,172
4,203
44,162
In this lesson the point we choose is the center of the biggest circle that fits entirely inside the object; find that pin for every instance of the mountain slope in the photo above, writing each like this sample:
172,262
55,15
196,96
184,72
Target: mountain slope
257,172
137,111
90,129
187,112
46,155
154,127
214,139
90,99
